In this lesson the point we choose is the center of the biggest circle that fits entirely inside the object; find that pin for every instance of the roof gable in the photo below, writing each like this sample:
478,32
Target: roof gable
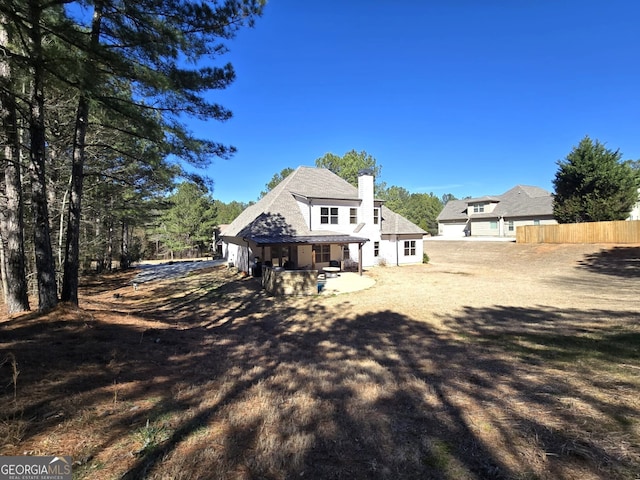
278,215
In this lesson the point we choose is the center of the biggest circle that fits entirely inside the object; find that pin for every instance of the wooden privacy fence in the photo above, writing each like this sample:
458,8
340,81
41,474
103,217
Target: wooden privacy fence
591,232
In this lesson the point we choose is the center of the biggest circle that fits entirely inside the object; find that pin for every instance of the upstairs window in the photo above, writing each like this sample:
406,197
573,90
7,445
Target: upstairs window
353,216
376,216
329,215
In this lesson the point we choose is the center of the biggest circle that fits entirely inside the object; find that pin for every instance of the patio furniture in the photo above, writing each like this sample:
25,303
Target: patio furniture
331,272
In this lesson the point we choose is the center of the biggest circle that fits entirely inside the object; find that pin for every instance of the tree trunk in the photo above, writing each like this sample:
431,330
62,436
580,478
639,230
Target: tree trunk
125,262
72,248
109,262
12,263
11,220
45,263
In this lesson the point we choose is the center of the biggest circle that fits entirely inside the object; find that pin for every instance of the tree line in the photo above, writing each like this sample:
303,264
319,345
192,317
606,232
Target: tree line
93,100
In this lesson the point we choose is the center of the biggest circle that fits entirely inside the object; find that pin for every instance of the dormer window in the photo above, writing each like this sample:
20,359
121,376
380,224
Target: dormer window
329,215
478,207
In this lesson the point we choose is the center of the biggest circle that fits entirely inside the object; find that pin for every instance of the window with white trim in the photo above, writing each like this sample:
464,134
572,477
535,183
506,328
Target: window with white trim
353,216
510,226
329,215
376,216
376,249
409,248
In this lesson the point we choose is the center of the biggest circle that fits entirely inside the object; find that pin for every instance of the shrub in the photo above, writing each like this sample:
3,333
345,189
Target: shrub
425,258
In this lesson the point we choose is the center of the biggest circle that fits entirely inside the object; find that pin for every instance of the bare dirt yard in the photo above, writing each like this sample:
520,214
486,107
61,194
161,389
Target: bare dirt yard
493,361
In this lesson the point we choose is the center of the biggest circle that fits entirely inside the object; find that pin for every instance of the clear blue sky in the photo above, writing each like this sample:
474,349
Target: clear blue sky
469,97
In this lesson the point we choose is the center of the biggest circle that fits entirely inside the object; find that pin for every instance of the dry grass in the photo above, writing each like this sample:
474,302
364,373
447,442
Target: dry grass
466,368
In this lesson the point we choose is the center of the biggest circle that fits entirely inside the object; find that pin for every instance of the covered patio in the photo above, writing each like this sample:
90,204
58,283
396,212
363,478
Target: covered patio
306,252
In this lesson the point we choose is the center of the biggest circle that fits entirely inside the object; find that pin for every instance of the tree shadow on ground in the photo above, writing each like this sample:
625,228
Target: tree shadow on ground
618,261
221,387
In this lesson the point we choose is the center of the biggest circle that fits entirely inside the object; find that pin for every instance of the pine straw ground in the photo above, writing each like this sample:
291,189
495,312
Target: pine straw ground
493,361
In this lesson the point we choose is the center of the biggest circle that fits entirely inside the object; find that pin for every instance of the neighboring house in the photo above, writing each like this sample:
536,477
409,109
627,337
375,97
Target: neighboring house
314,217
497,216
218,244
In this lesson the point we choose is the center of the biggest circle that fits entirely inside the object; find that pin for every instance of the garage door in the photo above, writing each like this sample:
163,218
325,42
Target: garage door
452,229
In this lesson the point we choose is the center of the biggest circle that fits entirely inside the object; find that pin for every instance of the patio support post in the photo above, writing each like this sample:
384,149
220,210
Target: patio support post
360,259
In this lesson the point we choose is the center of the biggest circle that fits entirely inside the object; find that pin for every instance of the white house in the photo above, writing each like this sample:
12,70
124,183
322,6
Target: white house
313,218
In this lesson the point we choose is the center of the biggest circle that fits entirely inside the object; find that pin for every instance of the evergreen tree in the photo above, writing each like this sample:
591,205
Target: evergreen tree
189,222
349,165
227,212
593,185
276,179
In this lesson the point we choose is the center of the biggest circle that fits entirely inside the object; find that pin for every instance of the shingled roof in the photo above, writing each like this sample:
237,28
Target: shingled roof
276,217
520,201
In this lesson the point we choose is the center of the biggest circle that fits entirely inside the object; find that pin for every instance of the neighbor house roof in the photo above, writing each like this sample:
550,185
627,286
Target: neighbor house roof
276,217
520,201
453,210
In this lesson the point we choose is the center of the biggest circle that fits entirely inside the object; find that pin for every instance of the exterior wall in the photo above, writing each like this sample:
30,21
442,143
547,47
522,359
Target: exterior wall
485,227
304,256
500,227
521,222
314,215
408,258
368,259
239,254
392,250
488,207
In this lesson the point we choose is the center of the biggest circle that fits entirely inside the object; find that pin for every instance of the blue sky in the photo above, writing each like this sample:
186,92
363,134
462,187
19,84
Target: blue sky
469,97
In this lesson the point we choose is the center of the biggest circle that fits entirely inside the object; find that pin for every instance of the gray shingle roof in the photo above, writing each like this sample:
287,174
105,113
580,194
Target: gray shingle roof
395,224
453,210
278,216
520,201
